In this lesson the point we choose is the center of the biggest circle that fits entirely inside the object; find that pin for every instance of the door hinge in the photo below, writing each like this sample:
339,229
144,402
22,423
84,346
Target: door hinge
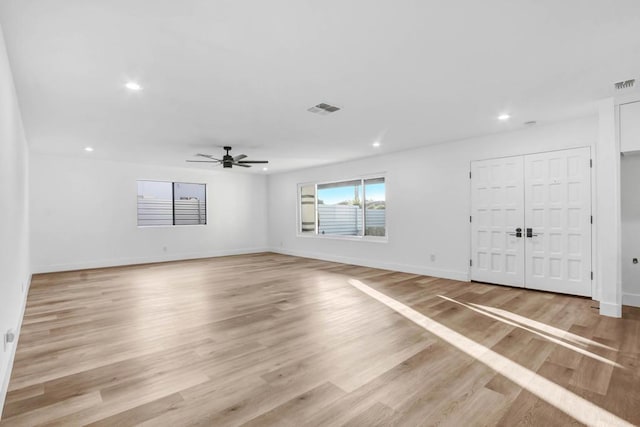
591,219
590,163
592,275
470,220
470,263
469,174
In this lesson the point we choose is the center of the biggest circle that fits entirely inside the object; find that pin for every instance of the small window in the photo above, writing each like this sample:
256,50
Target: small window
340,208
345,208
308,209
375,207
155,203
171,203
189,204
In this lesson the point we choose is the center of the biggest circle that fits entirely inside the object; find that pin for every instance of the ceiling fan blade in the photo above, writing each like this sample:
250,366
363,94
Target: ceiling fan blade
254,161
208,156
240,164
203,161
239,157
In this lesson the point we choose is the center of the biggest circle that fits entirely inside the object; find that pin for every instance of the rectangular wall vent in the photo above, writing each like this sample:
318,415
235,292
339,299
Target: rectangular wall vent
323,109
627,84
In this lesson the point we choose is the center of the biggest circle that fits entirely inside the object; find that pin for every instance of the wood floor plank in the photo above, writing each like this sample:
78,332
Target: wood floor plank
375,415
269,339
45,414
140,413
300,408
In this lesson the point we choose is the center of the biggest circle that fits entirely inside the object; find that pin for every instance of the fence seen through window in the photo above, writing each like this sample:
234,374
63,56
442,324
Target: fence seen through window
345,208
171,203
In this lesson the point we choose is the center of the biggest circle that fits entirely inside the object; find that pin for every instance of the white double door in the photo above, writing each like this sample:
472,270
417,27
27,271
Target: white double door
531,221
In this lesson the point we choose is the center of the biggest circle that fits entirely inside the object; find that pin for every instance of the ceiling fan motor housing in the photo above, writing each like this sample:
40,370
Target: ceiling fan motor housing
227,159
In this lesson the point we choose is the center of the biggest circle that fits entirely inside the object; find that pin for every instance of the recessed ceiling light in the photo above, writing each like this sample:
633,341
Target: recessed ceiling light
265,169
88,149
376,144
133,86
504,117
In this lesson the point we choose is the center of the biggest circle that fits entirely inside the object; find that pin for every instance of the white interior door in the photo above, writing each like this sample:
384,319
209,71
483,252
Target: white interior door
497,211
558,212
548,197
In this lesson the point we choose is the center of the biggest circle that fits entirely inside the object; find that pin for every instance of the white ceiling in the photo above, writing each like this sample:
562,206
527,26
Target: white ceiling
406,73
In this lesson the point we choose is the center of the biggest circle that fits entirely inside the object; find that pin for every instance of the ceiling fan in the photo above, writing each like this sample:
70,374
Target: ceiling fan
228,161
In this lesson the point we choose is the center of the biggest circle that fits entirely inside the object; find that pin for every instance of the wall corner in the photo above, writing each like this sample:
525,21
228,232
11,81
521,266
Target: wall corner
608,289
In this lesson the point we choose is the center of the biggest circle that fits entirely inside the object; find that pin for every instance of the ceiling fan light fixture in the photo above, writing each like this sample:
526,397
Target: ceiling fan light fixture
504,117
227,161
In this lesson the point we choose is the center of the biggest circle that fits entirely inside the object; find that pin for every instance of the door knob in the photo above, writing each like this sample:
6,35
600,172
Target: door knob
530,232
518,232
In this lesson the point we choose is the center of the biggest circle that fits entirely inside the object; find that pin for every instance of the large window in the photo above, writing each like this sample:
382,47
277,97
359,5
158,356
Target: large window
171,203
346,208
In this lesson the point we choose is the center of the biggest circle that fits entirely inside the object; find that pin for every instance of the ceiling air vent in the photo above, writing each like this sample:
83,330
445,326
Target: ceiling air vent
627,84
323,109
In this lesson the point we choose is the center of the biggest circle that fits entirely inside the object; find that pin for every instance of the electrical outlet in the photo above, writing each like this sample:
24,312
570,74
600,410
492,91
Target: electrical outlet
433,257
164,248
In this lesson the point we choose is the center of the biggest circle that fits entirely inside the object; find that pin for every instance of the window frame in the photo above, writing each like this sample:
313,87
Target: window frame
359,238
173,206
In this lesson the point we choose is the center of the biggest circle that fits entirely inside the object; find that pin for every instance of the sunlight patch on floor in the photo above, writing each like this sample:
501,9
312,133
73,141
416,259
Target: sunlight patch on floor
563,399
566,335
533,331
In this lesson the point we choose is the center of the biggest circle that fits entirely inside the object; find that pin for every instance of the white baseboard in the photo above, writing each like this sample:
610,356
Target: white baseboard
117,262
5,381
610,309
404,268
631,299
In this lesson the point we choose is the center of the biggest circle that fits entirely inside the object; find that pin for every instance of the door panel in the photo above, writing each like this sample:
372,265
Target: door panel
558,211
497,210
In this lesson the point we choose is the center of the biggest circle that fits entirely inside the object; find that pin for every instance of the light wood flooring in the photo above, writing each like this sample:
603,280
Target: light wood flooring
269,339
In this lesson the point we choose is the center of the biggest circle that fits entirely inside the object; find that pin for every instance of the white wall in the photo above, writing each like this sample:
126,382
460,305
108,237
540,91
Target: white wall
83,214
607,238
427,200
14,217
630,178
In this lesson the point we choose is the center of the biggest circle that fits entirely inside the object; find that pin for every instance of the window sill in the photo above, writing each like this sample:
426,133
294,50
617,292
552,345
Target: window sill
372,239
171,226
